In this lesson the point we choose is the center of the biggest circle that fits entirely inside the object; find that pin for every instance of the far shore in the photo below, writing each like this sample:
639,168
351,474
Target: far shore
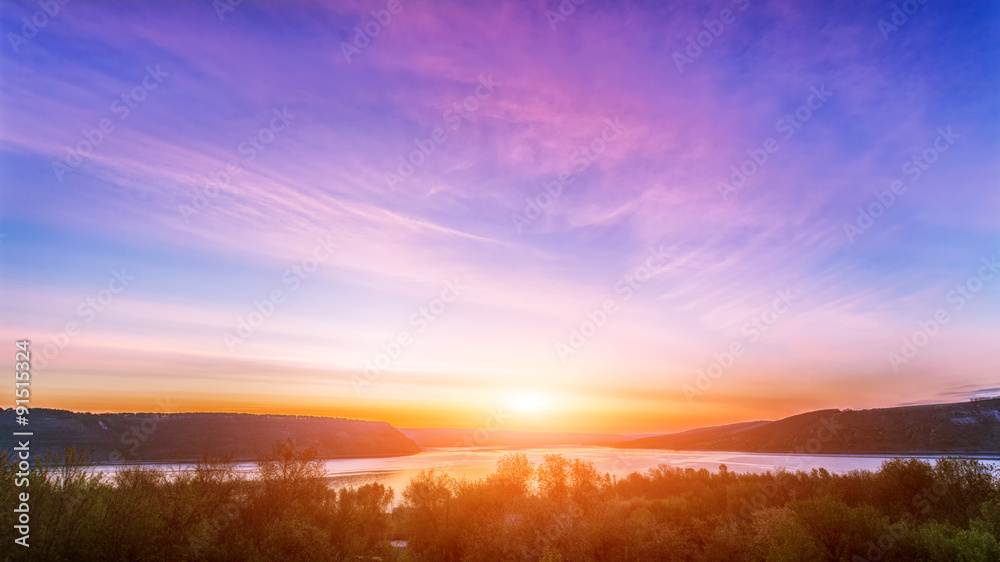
992,456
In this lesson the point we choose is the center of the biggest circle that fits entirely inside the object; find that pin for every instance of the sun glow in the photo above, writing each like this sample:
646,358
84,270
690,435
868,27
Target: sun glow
529,403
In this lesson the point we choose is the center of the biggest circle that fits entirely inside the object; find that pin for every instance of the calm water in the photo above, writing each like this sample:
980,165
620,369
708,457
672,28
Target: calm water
477,463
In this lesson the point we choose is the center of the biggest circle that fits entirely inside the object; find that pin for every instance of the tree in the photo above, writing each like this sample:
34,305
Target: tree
428,498
513,477
553,478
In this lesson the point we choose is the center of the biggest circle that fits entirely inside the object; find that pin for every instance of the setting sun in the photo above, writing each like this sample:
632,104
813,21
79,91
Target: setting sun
530,403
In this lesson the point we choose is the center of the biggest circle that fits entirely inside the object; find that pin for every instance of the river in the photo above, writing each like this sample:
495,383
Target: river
478,462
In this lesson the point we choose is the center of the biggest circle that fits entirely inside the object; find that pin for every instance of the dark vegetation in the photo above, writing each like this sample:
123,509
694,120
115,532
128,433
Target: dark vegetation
560,509
164,436
963,427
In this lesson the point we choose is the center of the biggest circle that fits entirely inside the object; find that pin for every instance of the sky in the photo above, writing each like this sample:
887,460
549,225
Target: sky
629,216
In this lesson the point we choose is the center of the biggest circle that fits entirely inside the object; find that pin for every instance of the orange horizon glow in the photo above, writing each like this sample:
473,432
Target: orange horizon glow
654,416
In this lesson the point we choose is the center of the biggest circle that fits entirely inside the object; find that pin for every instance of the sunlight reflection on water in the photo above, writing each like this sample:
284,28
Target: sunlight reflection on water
473,464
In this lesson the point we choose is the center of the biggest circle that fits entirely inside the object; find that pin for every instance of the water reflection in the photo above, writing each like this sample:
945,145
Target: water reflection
477,463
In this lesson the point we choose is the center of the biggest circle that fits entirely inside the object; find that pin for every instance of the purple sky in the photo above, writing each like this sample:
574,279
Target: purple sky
651,250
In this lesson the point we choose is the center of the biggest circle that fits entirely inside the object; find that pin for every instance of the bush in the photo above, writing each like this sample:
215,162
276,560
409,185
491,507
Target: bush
560,510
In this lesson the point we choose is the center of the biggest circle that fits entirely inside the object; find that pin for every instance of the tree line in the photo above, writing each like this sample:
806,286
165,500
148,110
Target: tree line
558,509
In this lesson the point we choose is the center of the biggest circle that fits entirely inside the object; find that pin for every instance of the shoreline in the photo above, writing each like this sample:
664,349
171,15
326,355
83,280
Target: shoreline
833,454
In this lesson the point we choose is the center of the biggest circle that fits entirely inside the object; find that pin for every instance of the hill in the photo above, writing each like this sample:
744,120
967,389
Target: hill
158,437
447,437
964,427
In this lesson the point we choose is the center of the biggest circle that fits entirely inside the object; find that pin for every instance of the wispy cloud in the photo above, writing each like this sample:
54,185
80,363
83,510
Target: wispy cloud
655,184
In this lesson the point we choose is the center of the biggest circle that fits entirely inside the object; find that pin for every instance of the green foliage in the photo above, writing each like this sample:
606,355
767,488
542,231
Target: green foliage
837,528
561,509
429,523
942,542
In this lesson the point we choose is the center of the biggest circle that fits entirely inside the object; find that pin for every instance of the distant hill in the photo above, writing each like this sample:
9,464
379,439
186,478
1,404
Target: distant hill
157,437
446,437
964,427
